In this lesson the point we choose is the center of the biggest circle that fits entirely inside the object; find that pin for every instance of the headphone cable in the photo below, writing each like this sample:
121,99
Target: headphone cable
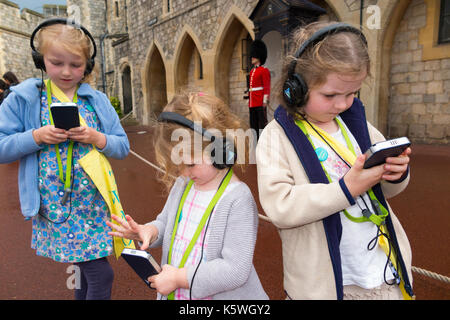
70,206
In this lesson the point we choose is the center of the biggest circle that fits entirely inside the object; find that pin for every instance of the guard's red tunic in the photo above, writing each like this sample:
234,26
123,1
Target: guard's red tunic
259,90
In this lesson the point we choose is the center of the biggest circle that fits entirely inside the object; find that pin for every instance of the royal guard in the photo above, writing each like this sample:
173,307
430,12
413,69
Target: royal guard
259,87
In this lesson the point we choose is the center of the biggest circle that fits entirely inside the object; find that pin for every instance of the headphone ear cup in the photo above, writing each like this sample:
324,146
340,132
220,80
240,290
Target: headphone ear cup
230,154
302,90
227,155
295,90
38,60
89,67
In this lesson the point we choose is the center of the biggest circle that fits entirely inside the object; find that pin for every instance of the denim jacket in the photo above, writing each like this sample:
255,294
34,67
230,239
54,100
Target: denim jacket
20,115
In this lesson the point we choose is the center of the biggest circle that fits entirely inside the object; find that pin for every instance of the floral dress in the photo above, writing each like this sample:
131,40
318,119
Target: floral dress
76,231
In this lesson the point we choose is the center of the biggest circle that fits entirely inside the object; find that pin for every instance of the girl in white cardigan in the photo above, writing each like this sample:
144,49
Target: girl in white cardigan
340,238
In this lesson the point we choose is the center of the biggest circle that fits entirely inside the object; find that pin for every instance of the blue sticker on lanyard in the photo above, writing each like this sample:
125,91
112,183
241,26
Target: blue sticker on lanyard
322,154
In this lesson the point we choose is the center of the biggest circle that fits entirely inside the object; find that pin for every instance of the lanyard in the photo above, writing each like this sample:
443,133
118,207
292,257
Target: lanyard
67,180
202,223
349,155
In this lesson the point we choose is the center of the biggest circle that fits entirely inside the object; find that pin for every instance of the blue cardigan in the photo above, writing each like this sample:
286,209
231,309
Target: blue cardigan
20,115
355,119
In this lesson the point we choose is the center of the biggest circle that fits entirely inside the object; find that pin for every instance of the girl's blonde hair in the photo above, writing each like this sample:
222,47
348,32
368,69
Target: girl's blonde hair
341,52
212,114
69,38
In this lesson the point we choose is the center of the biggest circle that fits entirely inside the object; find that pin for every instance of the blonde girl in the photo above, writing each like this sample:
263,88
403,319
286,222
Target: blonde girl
68,213
217,264
340,238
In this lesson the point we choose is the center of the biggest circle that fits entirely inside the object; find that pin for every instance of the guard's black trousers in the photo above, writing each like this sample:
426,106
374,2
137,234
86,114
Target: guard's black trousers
258,119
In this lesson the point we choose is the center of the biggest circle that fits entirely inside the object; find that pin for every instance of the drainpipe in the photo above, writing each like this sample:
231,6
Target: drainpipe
126,17
102,48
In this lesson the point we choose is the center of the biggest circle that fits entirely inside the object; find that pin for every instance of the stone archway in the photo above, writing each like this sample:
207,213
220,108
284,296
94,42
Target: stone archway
385,64
154,83
228,65
188,62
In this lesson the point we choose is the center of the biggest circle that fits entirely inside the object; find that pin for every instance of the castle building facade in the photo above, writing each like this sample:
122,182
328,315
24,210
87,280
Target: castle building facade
151,49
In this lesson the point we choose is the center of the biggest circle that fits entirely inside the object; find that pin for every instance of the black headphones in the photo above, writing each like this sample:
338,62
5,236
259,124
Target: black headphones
225,158
38,58
295,87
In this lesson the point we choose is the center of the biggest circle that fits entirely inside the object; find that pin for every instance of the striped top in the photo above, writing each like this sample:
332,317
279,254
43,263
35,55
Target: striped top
192,212
227,271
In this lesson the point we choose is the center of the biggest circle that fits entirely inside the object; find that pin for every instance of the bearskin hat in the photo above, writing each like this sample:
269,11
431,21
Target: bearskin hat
258,50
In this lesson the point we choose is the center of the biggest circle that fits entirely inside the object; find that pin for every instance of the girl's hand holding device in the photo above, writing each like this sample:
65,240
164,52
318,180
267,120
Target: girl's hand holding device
358,180
395,167
169,279
49,135
87,135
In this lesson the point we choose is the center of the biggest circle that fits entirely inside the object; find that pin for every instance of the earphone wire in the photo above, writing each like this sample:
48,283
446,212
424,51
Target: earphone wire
371,247
70,206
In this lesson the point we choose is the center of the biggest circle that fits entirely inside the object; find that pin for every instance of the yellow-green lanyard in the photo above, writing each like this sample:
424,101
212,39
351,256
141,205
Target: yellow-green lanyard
202,223
67,180
376,219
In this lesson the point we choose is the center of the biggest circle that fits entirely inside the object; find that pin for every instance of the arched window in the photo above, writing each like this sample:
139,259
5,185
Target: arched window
127,91
444,22
167,7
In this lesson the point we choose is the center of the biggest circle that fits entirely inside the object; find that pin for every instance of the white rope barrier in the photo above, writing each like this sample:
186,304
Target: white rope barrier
421,271
431,274
146,161
126,116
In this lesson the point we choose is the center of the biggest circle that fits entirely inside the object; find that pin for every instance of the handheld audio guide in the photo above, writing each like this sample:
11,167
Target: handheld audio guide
65,115
142,263
378,152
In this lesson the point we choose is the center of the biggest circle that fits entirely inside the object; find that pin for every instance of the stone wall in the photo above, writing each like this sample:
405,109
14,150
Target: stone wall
417,86
238,82
15,31
203,17
419,105
91,15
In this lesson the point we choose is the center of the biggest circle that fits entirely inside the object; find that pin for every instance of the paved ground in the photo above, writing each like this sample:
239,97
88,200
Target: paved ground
424,210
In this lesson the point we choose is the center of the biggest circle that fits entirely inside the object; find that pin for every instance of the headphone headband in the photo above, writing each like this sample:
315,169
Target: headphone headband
38,57
226,154
320,35
179,119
